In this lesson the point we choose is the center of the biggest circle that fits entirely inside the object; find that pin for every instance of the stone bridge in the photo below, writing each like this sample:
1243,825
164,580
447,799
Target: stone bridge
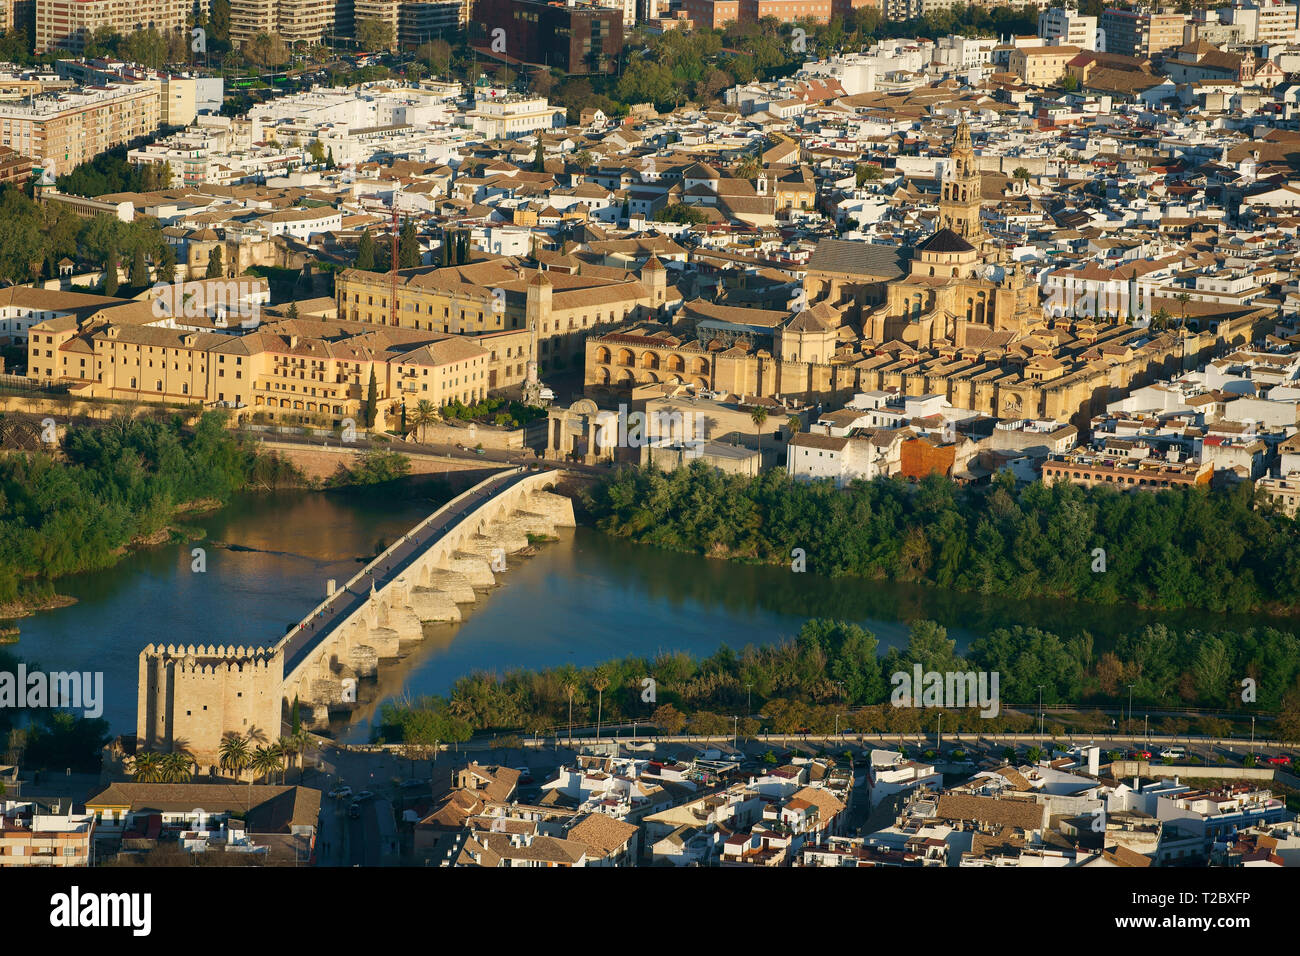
423,577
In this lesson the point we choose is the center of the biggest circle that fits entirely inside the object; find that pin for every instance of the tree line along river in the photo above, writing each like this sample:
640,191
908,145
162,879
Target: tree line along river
582,599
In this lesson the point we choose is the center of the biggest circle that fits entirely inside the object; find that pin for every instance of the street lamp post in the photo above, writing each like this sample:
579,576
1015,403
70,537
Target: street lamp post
1040,714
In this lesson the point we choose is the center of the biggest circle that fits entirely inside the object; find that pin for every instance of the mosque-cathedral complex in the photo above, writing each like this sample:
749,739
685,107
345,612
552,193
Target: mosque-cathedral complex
953,315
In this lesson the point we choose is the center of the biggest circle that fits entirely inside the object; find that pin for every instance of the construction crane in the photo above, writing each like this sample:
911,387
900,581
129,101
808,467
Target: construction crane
392,263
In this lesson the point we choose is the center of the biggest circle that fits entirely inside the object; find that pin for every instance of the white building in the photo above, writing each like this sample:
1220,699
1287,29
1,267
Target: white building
1062,26
512,115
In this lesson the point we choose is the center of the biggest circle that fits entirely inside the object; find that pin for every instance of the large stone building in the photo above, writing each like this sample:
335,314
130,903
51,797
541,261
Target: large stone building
501,306
290,370
950,317
192,696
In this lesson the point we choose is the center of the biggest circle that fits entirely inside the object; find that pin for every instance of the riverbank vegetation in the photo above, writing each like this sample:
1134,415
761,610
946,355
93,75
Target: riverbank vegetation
832,668
47,738
370,468
1180,548
113,486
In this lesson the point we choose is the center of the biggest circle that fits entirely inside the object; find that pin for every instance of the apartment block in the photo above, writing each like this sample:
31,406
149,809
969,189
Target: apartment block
306,21
419,23
65,24
1271,23
16,15
899,10
62,131
1141,33
385,11
248,18
1062,26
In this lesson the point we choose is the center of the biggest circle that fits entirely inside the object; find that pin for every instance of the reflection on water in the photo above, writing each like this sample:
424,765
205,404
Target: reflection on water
582,599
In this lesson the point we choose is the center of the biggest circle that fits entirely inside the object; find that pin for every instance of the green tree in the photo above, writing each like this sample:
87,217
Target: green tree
539,157
374,34
759,417
215,268
167,265
1183,298
366,251
425,414
149,767
219,20
177,767
110,273
234,754
668,719
317,152
408,246
372,400
139,269
436,54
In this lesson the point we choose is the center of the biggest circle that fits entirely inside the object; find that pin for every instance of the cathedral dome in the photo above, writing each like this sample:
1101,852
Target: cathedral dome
947,241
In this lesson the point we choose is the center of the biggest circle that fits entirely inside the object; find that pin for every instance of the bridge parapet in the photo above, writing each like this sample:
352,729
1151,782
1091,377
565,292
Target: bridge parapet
422,578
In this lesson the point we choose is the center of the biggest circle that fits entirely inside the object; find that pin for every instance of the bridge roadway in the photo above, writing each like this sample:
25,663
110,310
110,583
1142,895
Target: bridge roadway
316,628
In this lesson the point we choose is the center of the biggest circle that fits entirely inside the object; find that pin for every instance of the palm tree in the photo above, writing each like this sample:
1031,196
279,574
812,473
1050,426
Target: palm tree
149,768
233,754
289,748
1183,298
570,686
758,416
267,760
599,684
425,414
301,740
794,425
177,767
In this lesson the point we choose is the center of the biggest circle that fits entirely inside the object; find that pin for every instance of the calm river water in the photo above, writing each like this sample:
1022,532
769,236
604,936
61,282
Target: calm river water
585,598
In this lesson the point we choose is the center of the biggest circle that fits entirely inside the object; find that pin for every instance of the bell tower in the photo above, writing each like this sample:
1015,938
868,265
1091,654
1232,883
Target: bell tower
959,205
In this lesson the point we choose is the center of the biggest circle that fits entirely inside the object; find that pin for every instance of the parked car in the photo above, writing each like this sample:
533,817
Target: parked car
364,795
340,793
1281,760
1174,753
1139,755
525,776
354,811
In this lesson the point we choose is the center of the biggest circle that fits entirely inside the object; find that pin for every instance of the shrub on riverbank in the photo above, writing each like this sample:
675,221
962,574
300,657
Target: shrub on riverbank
370,468
116,484
1180,548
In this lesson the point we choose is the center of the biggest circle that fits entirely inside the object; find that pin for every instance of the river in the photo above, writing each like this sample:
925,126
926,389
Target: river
583,599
